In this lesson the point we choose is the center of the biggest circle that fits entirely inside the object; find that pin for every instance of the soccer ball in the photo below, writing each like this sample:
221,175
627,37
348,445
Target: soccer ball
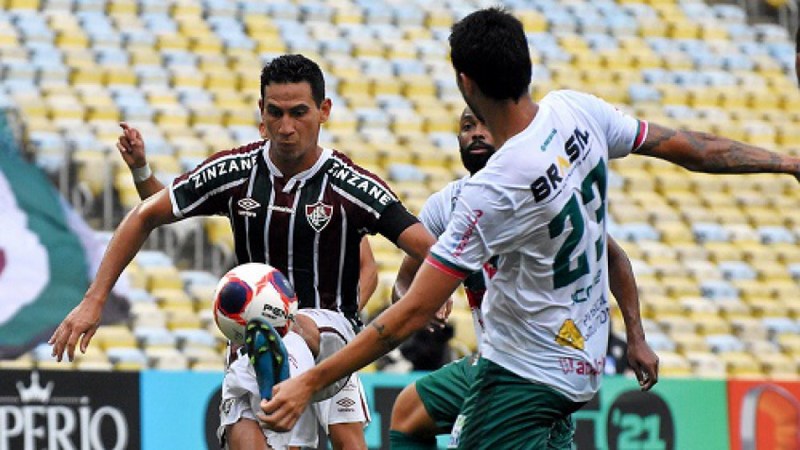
251,290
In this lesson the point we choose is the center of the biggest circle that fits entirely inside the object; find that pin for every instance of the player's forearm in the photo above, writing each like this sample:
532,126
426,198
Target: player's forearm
405,275
148,187
623,287
431,289
367,283
704,152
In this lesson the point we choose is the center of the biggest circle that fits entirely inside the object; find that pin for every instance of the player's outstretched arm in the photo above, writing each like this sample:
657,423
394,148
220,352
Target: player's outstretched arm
82,322
641,357
704,152
367,275
131,148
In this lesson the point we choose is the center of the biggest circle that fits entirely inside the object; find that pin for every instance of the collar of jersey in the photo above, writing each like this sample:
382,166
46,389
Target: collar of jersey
301,177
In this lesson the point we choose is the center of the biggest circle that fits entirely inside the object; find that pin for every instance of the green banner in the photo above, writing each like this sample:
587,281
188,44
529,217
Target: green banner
676,414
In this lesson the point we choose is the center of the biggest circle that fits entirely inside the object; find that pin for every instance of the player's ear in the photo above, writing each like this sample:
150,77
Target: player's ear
466,84
262,128
325,110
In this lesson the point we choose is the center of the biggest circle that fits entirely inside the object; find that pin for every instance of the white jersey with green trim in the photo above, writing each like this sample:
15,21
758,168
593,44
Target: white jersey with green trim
435,215
540,206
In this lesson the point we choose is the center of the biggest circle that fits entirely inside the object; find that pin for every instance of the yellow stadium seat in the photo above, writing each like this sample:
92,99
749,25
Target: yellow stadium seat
533,21
677,326
706,364
711,324
764,307
219,231
739,364
162,278
73,38
673,94
671,364
713,32
385,86
172,41
789,343
182,318
418,85
354,86
687,342
114,336
122,7
653,27
736,310
438,18
777,365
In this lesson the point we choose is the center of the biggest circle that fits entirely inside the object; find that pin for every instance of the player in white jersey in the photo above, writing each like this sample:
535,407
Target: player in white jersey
315,334
431,405
539,205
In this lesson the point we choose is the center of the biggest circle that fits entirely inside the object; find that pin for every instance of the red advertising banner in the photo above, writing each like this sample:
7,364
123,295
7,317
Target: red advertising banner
764,415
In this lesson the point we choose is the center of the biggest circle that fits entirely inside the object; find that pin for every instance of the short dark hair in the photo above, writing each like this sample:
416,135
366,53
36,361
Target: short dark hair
490,47
294,69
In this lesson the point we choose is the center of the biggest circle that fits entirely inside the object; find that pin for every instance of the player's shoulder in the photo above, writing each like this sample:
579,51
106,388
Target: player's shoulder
226,164
569,96
340,161
355,179
450,191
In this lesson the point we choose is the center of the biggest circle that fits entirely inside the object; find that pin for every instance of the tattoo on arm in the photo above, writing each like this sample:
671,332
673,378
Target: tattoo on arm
705,152
384,337
656,135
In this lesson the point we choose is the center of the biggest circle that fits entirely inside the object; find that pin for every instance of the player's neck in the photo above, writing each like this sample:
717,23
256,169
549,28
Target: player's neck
291,165
508,118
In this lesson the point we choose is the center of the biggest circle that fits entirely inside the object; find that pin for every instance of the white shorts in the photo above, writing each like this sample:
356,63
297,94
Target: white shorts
241,398
349,404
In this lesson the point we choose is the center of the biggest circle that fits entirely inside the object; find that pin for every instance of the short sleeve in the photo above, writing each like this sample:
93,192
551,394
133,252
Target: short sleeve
624,133
205,190
477,230
433,215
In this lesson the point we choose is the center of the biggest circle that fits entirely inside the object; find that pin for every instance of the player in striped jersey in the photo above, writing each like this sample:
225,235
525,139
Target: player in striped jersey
240,394
539,205
293,204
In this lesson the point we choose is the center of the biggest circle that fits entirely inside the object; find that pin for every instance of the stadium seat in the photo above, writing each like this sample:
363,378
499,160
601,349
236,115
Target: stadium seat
707,365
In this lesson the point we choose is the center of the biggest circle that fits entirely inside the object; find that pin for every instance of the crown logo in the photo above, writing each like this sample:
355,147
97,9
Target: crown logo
36,392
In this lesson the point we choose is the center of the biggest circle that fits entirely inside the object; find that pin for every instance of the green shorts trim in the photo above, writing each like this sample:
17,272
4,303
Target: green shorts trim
444,391
504,410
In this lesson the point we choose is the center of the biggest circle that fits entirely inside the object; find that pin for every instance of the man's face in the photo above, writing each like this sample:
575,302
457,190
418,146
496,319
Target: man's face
475,142
291,119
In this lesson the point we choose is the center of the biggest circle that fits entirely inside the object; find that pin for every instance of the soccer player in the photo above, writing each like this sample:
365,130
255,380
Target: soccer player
539,205
431,405
292,204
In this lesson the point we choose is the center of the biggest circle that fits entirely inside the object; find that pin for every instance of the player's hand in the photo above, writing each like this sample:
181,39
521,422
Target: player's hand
440,319
644,362
81,323
131,147
289,400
